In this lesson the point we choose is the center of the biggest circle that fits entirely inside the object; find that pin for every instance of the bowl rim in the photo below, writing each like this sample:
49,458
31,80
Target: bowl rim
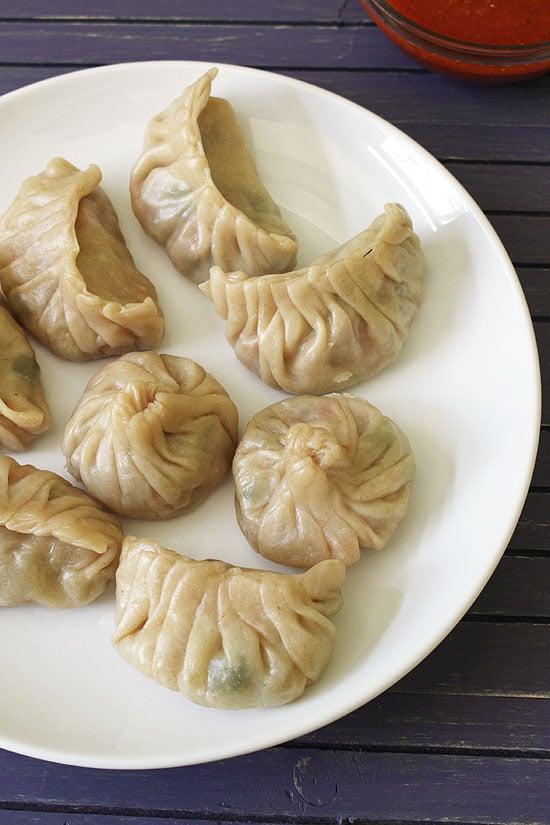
538,51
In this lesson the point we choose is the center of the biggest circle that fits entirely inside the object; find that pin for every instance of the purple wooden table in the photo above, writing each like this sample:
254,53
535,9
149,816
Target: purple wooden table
465,737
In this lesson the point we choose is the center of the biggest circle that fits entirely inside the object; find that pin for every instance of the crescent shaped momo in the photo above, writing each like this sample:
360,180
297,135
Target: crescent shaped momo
66,272
224,636
58,546
319,478
151,435
24,410
195,189
327,326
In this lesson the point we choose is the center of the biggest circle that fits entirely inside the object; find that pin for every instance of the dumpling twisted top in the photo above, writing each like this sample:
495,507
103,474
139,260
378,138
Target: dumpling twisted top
321,477
152,435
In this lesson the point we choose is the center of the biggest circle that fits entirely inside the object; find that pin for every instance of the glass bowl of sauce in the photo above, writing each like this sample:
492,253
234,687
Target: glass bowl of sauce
481,40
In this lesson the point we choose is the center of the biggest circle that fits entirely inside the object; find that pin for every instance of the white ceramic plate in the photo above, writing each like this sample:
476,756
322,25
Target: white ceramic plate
65,695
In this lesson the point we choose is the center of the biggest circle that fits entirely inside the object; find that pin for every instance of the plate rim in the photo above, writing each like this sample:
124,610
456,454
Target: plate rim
273,739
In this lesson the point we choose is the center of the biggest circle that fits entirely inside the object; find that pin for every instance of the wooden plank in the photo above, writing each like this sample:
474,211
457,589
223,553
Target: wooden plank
486,658
542,334
32,817
519,587
482,143
541,475
318,784
526,237
432,722
284,11
504,186
489,144
536,286
532,531
77,43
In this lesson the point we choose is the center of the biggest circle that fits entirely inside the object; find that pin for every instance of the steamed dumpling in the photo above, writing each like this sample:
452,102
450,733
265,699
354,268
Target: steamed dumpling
152,435
24,410
67,274
224,636
195,189
58,547
329,325
319,478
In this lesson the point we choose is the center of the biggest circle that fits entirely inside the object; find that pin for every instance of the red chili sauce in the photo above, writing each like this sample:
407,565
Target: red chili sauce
501,23
491,22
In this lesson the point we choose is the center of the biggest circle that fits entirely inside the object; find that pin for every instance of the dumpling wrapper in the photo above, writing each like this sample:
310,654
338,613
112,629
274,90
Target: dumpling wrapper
327,326
24,409
321,477
195,189
58,547
151,435
66,271
224,636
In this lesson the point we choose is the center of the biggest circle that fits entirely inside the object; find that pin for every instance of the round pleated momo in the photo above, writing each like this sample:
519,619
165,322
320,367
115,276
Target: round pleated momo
224,636
321,477
152,435
326,326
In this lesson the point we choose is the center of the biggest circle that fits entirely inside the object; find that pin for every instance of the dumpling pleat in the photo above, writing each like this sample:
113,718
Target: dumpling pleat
58,547
24,409
224,636
62,254
152,435
201,220
325,327
320,477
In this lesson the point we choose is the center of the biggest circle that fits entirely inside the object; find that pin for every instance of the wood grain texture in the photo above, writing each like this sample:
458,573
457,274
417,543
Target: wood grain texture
533,528
76,42
525,240
519,587
32,817
301,783
428,722
535,282
505,187
542,336
487,658
295,11
541,475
